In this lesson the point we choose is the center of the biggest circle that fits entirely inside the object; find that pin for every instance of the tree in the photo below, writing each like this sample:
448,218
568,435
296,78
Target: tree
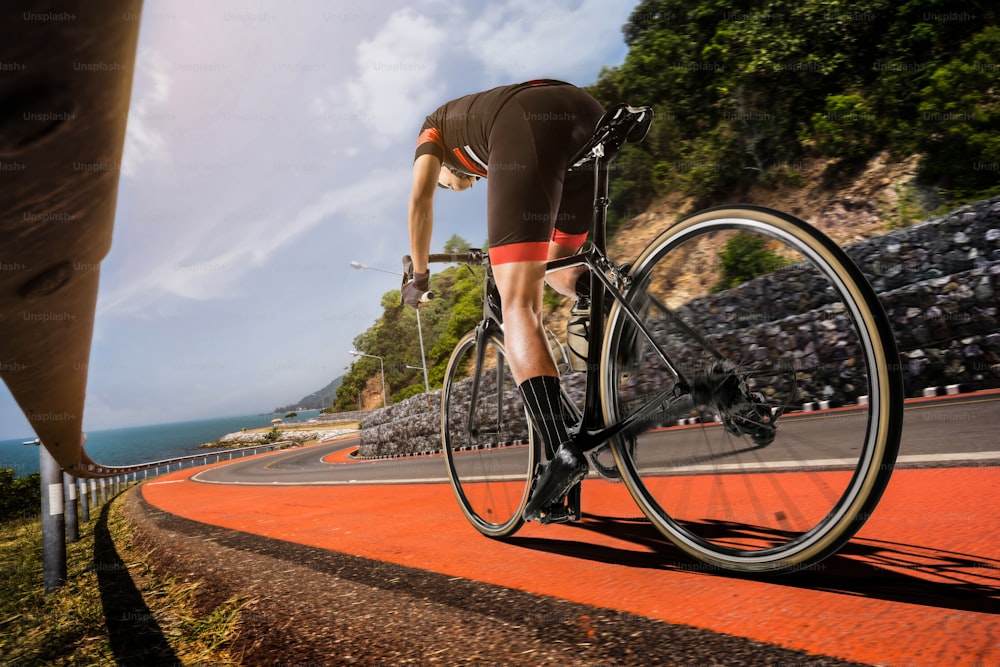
741,88
19,496
456,244
960,114
455,309
744,257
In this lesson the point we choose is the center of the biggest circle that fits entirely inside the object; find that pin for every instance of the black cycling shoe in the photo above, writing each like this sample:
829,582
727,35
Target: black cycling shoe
563,511
566,469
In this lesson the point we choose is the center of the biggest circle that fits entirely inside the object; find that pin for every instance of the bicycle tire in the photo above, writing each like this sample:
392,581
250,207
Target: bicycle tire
490,449
730,486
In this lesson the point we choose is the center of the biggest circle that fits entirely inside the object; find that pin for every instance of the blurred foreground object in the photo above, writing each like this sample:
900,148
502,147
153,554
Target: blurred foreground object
65,83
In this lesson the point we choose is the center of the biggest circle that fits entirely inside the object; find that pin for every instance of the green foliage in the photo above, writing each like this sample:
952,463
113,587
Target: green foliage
960,112
456,244
19,496
845,128
741,87
743,257
455,309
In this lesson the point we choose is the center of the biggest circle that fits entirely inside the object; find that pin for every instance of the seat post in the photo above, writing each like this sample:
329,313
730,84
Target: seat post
601,204
592,412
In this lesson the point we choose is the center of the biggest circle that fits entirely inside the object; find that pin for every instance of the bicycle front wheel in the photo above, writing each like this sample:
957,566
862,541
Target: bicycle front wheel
782,430
489,447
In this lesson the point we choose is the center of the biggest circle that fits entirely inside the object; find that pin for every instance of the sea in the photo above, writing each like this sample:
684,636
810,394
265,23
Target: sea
142,444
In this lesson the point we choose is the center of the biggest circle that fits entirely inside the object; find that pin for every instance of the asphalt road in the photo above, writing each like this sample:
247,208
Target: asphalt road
943,431
917,585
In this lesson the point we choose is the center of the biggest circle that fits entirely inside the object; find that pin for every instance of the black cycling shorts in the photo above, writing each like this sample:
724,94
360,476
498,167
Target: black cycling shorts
532,199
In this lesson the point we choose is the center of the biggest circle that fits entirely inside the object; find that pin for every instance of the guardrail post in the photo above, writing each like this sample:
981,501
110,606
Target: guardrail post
93,493
104,492
53,523
84,500
69,505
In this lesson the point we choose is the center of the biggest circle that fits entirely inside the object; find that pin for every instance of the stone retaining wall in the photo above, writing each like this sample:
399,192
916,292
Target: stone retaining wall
938,282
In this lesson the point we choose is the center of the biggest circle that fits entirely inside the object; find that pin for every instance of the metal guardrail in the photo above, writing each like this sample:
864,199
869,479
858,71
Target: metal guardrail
62,494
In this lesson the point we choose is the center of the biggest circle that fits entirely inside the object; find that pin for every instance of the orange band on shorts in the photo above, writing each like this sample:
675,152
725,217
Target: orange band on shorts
573,241
520,252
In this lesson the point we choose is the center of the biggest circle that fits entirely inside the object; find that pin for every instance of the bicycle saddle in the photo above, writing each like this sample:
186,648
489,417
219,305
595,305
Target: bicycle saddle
619,125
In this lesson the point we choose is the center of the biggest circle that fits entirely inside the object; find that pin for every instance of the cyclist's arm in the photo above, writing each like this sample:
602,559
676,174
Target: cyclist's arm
426,169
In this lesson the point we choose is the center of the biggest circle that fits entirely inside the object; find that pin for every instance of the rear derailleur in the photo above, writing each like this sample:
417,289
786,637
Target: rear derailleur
723,389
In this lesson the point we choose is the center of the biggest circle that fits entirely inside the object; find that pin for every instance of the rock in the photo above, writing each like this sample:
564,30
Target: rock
938,282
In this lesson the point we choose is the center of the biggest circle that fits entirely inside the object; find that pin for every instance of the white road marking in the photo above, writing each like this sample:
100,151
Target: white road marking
719,468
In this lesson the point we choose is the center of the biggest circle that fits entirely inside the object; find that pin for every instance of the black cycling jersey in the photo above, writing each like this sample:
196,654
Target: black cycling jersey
521,137
458,132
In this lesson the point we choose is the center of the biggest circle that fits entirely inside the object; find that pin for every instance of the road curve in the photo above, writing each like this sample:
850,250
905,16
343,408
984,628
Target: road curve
918,585
951,430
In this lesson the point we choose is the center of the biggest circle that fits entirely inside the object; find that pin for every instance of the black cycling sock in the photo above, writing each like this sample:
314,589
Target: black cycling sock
541,397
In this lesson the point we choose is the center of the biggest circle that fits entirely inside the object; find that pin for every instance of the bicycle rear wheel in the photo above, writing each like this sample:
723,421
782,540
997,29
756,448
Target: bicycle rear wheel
784,427
490,450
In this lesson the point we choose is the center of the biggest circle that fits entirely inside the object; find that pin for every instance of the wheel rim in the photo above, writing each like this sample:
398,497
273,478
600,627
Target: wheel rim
491,460
711,491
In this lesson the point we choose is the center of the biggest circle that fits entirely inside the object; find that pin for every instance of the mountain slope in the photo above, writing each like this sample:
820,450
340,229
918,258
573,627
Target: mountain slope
322,398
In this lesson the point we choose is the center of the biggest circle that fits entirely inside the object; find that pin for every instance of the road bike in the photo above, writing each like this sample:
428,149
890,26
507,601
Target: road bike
755,423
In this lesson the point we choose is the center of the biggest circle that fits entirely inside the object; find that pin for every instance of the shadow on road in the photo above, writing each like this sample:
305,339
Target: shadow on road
870,568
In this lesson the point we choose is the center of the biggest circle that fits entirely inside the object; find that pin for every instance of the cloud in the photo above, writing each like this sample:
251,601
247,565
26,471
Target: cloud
406,69
396,84
212,257
152,90
524,39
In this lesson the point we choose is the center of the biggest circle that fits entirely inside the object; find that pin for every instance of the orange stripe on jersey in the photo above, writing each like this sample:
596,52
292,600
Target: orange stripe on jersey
431,134
528,251
573,241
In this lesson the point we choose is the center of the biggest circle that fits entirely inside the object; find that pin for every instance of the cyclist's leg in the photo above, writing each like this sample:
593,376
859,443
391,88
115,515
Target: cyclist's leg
528,351
534,136
530,357
564,281
572,224
520,285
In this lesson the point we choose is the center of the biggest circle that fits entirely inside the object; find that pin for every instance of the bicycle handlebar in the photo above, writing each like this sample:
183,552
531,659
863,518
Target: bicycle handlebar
470,256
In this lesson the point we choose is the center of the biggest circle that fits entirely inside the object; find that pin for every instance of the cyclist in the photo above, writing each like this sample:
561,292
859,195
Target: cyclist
522,137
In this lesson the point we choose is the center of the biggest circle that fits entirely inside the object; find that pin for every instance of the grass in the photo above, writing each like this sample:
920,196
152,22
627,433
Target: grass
91,620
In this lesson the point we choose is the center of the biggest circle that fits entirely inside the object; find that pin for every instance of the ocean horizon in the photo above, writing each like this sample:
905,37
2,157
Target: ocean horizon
142,444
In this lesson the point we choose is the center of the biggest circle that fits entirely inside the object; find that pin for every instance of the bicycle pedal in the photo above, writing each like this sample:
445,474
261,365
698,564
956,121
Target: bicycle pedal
559,514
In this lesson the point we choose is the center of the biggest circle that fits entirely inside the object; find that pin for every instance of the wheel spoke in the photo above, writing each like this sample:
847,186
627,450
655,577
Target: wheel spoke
748,479
488,445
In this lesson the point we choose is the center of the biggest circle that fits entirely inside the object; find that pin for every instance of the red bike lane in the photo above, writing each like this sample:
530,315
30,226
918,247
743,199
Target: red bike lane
919,585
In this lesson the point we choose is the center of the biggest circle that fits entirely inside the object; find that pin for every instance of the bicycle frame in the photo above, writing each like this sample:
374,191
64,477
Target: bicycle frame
634,387
592,431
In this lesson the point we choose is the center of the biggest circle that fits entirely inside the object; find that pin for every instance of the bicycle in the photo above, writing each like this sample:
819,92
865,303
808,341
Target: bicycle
701,397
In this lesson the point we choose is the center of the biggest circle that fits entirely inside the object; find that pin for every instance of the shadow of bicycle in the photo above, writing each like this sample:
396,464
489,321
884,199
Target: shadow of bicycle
877,569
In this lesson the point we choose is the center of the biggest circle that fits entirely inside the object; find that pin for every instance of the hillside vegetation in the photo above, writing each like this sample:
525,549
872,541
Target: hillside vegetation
781,103
745,91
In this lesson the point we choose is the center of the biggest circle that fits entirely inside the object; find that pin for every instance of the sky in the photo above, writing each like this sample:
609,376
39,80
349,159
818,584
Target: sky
269,145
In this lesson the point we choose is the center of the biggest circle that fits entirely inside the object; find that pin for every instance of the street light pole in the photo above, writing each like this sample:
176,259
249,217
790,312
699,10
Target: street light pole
420,329
381,363
423,357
